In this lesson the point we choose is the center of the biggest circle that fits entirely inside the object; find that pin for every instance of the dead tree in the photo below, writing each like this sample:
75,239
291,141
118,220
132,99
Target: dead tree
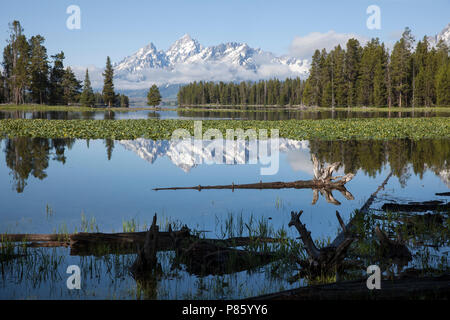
146,261
327,259
322,182
330,258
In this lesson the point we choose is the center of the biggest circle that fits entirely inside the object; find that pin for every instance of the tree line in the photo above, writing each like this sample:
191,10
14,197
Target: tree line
264,92
30,77
356,76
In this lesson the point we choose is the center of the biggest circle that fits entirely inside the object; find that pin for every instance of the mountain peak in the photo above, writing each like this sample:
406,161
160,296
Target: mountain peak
186,37
187,60
444,35
182,49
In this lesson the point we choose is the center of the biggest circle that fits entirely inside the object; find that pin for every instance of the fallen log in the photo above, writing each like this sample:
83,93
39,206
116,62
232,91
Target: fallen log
206,258
404,288
99,244
442,193
416,206
300,184
323,181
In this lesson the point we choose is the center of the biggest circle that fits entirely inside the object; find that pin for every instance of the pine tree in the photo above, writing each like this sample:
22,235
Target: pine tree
108,86
153,96
124,101
340,89
39,70
56,78
87,97
443,85
351,70
401,69
380,94
16,60
313,94
71,87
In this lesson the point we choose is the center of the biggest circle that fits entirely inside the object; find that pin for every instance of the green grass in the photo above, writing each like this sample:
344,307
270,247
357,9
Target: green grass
329,129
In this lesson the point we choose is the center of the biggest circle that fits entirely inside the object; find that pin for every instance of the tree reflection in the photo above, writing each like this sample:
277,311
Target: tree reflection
27,156
31,156
402,155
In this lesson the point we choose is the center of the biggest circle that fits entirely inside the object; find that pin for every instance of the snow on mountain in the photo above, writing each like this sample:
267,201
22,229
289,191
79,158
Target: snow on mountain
146,57
187,60
186,154
443,35
183,49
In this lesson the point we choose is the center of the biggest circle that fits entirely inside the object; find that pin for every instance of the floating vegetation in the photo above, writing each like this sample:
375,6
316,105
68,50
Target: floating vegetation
329,129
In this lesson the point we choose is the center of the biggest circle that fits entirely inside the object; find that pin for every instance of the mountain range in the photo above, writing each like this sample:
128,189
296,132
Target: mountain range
186,155
443,35
187,60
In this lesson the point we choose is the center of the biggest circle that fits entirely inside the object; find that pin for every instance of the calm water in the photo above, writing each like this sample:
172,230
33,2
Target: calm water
245,114
51,185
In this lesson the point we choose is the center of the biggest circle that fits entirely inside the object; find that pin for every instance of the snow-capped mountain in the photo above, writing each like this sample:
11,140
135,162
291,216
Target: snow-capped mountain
186,154
187,60
443,35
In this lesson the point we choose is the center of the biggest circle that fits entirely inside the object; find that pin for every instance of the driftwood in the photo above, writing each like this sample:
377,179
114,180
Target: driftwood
146,260
322,182
442,193
204,258
434,205
84,244
327,259
330,258
404,288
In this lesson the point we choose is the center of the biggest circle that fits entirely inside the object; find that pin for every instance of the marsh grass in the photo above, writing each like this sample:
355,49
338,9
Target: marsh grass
106,274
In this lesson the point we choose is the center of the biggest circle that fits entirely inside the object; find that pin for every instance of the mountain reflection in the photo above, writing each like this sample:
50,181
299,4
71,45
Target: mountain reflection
27,157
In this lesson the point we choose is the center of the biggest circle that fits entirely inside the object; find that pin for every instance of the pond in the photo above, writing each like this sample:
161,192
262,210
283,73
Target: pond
209,113
67,185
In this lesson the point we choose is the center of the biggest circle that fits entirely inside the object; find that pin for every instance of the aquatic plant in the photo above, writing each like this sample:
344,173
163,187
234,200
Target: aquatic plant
329,129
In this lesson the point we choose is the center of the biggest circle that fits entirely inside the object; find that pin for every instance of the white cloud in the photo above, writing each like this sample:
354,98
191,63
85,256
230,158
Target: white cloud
185,73
304,47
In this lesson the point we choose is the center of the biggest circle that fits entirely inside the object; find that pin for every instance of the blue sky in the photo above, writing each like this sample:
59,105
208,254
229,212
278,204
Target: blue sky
119,28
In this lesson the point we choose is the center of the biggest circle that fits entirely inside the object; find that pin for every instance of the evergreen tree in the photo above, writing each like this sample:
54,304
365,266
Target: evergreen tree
443,85
401,69
87,97
56,79
39,70
124,101
351,70
71,87
108,86
16,59
153,96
